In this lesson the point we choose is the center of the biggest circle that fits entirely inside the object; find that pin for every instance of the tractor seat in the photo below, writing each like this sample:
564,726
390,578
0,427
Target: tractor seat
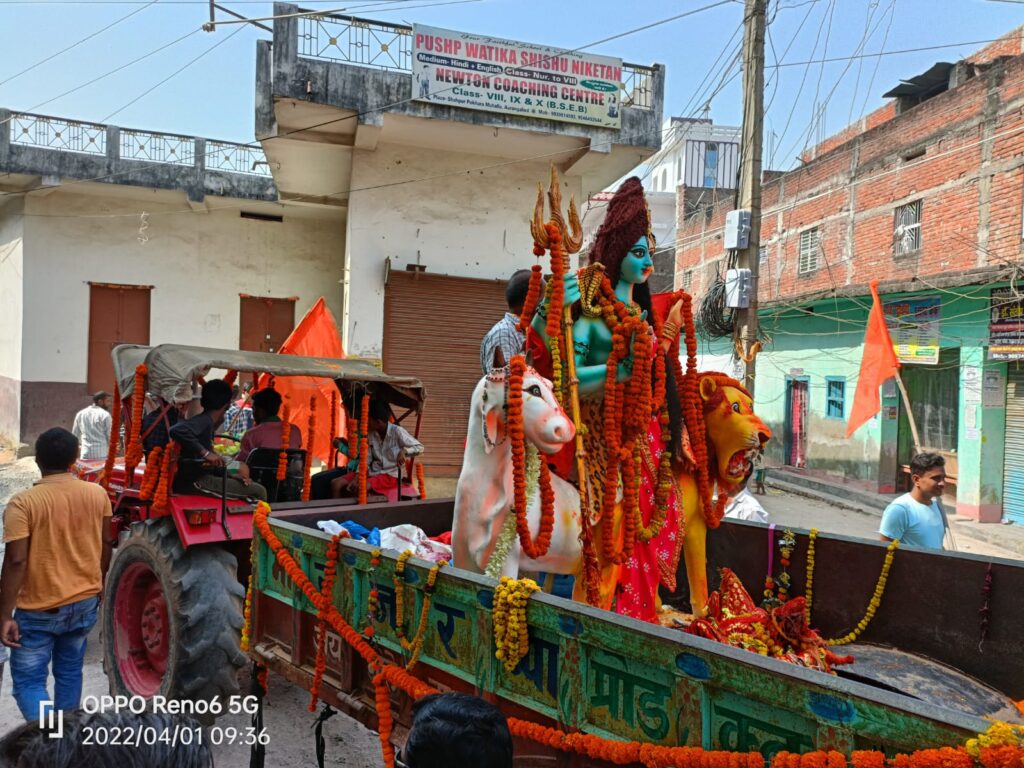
263,469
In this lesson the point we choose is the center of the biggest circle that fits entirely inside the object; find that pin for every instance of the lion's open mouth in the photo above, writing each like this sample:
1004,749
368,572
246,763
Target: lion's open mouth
739,464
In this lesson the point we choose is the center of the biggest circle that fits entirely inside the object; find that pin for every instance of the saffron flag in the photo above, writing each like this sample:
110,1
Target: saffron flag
878,365
316,335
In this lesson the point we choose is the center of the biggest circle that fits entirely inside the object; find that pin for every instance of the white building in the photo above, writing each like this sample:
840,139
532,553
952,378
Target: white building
695,154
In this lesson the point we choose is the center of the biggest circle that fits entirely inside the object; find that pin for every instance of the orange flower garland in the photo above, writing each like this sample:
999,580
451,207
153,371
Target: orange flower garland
532,297
334,428
327,591
597,747
115,436
364,445
162,493
152,473
308,469
286,436
421,482
533,549
133,453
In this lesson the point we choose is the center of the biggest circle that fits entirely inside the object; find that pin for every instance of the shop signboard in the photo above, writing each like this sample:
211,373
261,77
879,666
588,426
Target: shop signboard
1006,325
914,327
459,69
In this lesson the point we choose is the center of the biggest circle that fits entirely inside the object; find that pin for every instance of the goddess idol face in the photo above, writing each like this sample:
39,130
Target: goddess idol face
637,266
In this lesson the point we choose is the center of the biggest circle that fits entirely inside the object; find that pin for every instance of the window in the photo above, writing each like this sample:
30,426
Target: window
687,280
808,256
762,257
835,397
906,238
711,165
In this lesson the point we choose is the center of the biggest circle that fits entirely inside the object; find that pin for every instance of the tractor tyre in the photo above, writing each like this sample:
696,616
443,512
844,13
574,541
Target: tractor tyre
172,618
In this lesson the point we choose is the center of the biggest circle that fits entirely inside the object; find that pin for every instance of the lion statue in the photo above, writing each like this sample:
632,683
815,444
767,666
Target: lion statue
734,434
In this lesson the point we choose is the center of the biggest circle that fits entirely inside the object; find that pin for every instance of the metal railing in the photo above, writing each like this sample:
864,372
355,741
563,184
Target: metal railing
236,158
637,86
347,39
157,147
382,45
58,133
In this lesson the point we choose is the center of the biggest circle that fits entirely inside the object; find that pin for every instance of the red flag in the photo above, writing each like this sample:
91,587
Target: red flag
316,335
878,365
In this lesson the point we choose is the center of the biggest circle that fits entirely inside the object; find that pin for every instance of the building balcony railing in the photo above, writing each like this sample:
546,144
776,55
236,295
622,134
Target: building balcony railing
382,45
116,143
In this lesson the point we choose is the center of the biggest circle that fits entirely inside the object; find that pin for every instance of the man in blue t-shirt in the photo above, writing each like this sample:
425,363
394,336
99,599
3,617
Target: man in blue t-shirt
916,518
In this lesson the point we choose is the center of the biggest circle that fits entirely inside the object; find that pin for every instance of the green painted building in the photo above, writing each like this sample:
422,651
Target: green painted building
968,406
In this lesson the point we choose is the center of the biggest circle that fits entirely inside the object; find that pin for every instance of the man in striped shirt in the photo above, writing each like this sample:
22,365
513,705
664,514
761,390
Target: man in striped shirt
92,427
504,341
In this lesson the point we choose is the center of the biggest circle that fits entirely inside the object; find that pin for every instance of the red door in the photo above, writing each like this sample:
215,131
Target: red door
265,323
118,314
796,437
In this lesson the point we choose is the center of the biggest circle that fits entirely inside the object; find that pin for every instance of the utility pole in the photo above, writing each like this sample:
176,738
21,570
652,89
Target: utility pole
745,334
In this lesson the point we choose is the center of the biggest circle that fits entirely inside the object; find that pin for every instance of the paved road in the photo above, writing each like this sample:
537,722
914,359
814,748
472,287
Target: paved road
804,512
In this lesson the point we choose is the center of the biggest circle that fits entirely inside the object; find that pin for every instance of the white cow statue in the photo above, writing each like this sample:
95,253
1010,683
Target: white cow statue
484,495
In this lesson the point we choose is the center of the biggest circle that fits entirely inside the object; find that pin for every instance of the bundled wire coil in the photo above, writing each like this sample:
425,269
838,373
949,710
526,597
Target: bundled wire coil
714,319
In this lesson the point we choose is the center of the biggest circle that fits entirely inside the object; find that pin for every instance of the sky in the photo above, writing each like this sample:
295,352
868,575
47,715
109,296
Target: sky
213,95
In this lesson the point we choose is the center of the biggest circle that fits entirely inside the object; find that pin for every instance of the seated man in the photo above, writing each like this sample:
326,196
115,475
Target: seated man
195,436
157,422
320,483
389,447
266,404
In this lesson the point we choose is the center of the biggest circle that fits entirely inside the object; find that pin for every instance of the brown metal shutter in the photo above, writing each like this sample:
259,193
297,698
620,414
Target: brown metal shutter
433,326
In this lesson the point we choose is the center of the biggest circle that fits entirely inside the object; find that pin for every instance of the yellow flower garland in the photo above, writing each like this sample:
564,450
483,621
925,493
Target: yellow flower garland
414,646
809,588
511,637
247,613
876,599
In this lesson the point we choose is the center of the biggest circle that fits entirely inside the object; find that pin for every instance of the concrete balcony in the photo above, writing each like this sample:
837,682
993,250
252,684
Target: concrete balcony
331,84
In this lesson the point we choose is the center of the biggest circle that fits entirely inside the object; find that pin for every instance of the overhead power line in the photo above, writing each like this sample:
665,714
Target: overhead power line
385,107
85,39
854,57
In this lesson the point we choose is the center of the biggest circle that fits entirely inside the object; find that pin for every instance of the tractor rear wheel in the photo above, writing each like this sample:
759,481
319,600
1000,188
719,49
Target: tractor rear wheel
172,618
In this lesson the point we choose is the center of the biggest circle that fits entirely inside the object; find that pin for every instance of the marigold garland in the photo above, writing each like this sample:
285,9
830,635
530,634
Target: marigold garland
414,646
1001,753
161,496
286,437
812,538
364,445
247,611
532,297
152,474
133,452
511,636
334,428
307,472
421,482
876,598
532,548
115,437
327,592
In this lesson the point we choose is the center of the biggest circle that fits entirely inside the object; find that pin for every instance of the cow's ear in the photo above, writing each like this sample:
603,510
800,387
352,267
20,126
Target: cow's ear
490,407
708,386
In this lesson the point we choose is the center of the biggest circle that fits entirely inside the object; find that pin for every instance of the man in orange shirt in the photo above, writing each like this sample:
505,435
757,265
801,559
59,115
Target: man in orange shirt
58,541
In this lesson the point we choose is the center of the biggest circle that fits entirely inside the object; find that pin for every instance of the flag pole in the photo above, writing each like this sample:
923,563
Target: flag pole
910,413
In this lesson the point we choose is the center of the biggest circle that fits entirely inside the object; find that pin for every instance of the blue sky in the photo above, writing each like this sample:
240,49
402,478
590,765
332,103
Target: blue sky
214,96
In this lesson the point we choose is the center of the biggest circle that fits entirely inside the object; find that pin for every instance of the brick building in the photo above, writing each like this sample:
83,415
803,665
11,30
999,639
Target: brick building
924,194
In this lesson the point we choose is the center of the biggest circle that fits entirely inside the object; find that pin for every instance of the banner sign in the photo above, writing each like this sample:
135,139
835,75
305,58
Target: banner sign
484,73
1006,325
914,328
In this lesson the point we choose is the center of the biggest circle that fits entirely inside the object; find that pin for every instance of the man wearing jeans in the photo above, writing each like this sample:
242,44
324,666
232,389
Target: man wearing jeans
58,541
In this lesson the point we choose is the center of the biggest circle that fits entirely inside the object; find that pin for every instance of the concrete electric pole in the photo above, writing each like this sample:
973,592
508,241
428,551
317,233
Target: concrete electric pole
750,176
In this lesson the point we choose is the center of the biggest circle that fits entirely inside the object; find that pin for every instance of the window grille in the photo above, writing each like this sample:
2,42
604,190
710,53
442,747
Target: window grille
808,256
907,232
835,397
